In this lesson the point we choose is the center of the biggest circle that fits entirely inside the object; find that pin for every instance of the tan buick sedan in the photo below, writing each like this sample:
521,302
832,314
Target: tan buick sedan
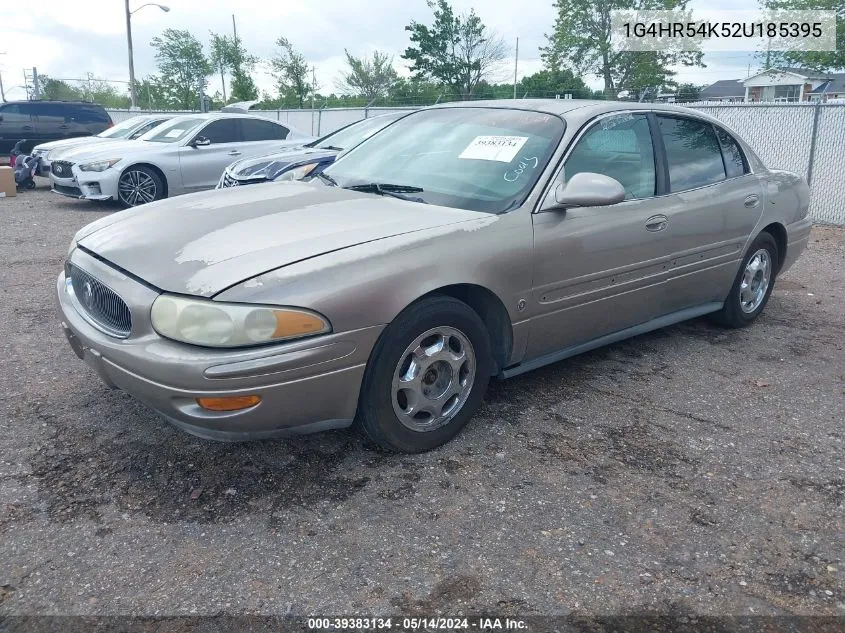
460,243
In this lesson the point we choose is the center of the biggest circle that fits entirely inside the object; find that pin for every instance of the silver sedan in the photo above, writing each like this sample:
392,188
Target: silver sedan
460,243
184,155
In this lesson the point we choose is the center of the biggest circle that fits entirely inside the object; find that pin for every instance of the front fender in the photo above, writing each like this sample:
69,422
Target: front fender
369,284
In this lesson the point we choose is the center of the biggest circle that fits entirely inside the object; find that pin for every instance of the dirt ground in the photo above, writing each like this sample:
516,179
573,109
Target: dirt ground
695,469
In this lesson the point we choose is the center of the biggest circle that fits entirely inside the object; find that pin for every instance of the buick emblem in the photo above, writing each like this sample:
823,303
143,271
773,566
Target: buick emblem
88,295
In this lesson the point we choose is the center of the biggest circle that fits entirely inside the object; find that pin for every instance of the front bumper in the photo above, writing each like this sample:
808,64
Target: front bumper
305,386
87,185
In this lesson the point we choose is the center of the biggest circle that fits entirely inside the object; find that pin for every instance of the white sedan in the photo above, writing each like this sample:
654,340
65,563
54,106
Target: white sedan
186,154
127,130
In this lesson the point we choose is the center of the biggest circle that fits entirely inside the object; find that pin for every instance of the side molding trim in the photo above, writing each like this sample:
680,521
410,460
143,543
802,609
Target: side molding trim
607,339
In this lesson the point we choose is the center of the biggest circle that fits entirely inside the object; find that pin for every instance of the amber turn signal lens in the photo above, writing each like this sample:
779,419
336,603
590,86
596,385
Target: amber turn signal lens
293,323
231,403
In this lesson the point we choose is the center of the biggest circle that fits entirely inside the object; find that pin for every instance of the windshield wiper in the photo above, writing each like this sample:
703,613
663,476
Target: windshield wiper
332,147
327,178
387,189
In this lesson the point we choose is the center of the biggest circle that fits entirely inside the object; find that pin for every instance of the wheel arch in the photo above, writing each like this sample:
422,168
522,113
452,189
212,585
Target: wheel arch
778,231
489,307
154,168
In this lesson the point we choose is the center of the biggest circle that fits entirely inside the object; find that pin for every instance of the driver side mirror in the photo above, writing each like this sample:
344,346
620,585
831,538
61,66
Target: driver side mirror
200,141
585,189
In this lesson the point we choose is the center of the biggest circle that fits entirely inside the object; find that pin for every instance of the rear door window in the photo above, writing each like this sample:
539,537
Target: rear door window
618,146
692,152
735,164
50,112
257,130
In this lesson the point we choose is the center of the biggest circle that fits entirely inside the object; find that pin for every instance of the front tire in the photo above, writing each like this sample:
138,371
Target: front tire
426,377
139,185
753,284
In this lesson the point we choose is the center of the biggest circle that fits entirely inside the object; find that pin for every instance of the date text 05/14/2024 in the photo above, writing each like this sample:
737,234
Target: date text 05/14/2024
416,624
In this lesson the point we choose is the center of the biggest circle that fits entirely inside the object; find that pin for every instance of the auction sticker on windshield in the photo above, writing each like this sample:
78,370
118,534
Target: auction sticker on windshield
501,148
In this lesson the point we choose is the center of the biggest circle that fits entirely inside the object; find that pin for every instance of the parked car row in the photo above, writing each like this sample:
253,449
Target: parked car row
167,156
458,243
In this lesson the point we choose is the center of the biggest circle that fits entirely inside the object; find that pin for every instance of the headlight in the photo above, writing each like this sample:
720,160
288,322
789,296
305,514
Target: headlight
213,324
100,165
297,173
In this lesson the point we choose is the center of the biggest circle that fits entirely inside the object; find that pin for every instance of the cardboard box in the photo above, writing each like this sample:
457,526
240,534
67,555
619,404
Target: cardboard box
7,182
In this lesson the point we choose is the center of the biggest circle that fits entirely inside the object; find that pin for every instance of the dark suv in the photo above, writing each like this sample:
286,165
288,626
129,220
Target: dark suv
42,121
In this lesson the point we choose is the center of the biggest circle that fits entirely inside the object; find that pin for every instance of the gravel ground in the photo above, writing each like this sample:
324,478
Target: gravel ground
695,470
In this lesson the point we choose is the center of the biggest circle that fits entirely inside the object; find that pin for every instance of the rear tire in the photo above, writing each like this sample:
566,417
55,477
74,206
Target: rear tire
753,284
139,185
426,377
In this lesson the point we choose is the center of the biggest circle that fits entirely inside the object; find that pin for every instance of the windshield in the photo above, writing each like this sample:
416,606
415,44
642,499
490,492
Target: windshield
351,135
123,129
481,159
172,131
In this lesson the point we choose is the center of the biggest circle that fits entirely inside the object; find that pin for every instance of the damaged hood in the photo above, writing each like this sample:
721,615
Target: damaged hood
203,243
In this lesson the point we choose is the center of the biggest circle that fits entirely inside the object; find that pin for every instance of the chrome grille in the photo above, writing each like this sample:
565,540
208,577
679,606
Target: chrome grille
228,181
61,168
99,304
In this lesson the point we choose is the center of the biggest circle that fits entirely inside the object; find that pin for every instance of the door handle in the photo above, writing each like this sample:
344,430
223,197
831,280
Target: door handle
26,127
234,152
752,201
656,223
64,127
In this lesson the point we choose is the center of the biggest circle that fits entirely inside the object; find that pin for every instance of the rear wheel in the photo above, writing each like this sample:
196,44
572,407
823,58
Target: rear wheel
753,284
426,377
139,185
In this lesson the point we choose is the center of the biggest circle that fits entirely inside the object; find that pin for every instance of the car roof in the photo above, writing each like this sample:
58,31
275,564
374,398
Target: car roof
52,102
587,108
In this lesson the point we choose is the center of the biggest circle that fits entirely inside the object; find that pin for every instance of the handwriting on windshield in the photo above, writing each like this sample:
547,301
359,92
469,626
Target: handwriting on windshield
524,163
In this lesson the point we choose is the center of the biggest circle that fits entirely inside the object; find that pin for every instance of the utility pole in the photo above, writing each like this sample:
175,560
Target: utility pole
133,96
515,66
235,29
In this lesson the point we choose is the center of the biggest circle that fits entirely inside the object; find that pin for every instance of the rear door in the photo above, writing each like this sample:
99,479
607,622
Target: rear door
52,121
712,205
261,137
598,270
202,165
16,123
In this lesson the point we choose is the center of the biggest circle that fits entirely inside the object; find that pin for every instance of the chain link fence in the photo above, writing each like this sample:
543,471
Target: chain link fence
807,138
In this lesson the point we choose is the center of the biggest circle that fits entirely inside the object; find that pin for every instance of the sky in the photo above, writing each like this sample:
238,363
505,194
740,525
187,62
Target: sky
67,39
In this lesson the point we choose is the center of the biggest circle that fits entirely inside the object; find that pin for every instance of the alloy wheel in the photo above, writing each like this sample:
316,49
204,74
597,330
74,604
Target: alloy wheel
136,187
755,281
433,379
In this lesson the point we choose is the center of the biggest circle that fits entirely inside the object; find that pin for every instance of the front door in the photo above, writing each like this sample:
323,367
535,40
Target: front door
599,270
202,165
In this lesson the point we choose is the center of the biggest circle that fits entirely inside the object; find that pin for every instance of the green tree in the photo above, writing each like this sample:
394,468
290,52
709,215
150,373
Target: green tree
549,83
688,92
581,42
457,50
183,67
58,90
822,61
152,95
220,57
228,56
371,78
291,72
